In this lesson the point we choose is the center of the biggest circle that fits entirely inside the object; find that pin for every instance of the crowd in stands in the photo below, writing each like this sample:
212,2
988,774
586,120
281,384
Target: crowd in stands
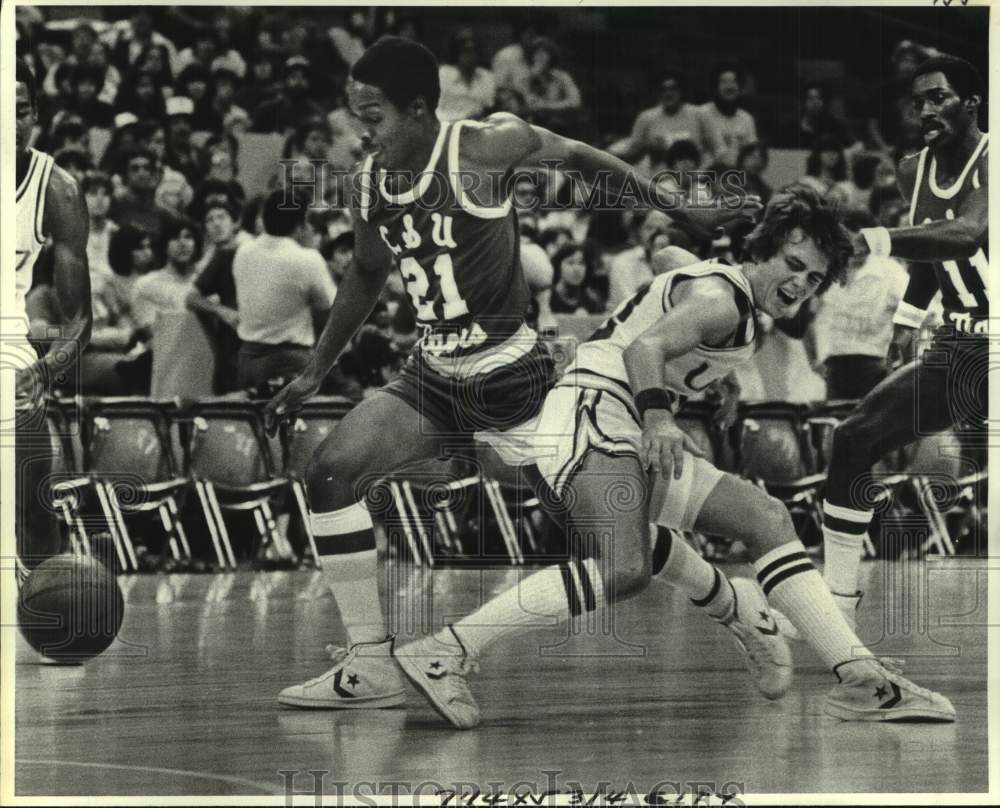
148,112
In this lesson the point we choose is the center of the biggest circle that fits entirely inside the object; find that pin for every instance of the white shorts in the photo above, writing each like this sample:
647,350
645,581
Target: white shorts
578,420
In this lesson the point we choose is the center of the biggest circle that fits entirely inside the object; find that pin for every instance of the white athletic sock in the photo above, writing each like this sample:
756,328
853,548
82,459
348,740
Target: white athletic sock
345,541
573,590
684,568
844,532
793,585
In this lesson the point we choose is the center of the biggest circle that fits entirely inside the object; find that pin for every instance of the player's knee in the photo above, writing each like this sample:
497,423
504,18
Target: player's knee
775,526
333,472
854,433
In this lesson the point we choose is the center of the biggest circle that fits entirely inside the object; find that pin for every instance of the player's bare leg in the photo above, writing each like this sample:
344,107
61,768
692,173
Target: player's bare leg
613,564
354,456
740,510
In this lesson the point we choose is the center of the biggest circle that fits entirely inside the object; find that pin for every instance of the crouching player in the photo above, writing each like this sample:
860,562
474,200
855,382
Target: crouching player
611,417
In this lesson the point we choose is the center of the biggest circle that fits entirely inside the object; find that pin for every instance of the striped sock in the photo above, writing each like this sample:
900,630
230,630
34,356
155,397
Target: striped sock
684,568
572,590
793,584
345,541
844,532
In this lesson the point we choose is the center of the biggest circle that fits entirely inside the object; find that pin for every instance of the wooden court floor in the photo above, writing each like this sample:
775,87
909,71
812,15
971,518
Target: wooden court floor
184,702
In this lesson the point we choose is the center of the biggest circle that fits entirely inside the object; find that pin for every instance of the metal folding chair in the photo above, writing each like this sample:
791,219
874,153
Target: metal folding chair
232,467
930,478
775,451
130,468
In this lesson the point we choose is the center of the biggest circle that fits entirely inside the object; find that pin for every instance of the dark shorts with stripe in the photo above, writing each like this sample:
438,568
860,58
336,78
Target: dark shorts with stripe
499,399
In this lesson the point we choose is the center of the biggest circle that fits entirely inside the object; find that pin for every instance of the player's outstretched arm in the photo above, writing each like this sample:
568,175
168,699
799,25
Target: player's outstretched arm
356,297
944,240
505,141
704,311
65,220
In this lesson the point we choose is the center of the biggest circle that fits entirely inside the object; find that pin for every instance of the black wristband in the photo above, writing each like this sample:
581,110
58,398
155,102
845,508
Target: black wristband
653,398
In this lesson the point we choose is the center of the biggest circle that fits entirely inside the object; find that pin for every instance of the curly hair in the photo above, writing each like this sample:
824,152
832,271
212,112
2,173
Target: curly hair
801,207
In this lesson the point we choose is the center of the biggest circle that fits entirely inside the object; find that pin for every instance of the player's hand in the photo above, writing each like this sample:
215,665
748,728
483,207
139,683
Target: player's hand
664,444
901,348
288,401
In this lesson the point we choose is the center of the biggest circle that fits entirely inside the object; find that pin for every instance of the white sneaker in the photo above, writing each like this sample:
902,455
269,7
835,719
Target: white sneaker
439,671
848,605
362,678
874,690
764,650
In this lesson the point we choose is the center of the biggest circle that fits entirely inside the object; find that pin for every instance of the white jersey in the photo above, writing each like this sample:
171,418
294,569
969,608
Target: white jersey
600,358
30,212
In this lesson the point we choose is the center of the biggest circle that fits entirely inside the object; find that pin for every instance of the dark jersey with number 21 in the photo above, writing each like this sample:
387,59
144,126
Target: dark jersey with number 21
460,262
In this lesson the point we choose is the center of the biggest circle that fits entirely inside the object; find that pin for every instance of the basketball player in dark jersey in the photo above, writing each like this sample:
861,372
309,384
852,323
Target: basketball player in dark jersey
51,212
946,186
429,199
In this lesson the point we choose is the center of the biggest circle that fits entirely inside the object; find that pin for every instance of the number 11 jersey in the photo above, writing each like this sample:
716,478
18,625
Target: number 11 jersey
963,283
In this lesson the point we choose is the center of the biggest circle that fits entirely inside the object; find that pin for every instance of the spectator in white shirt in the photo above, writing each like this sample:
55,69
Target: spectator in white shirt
467,90
553,98
511,67
669,121
281,288
853,324
732,127
165,290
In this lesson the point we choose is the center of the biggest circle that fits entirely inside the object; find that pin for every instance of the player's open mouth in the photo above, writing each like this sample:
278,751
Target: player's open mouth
786,298
931,132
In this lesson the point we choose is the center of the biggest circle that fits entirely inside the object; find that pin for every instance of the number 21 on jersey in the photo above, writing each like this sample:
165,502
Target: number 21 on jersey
418,284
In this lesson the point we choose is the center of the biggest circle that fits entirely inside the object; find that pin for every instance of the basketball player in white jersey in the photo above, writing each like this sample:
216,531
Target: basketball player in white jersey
610,419
50,211
946,185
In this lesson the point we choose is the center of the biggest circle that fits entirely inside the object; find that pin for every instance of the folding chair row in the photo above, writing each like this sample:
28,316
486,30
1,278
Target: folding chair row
137,455
129,456
788,447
